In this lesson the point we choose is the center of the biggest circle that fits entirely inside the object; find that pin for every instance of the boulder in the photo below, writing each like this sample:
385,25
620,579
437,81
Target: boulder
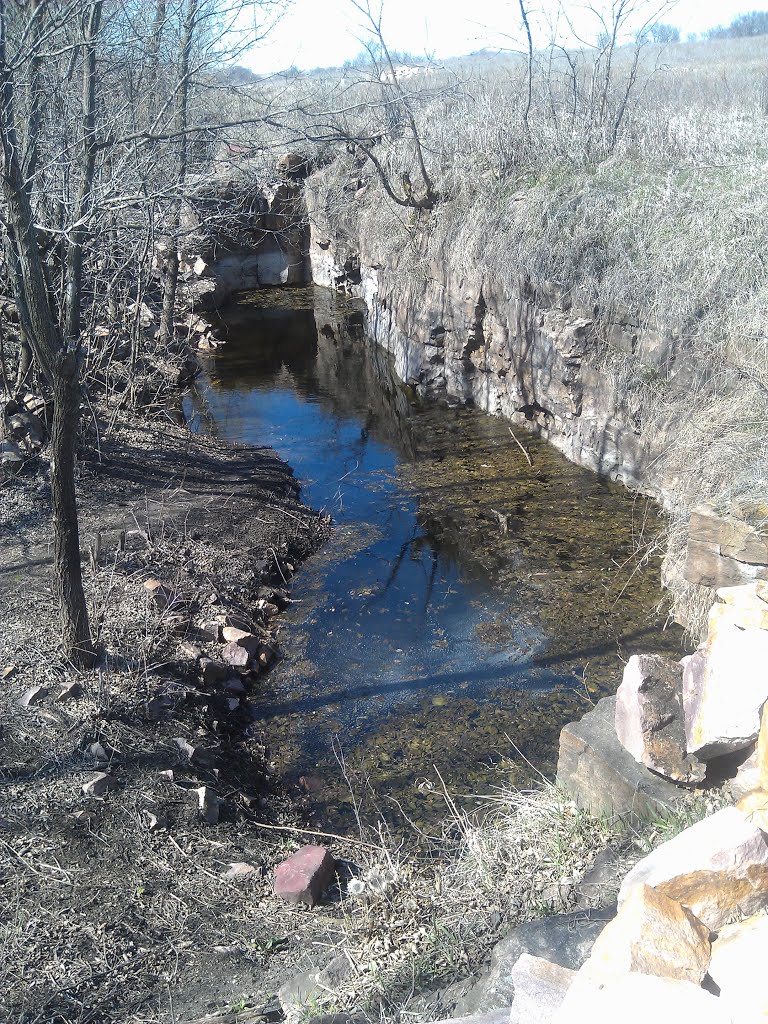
602,776
640,999
651,934
718,868
540,988
649,718
737,965
564,939
724,550
726,683
304,875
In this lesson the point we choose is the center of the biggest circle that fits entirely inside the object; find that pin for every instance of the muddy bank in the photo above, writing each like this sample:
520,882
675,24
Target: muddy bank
118,897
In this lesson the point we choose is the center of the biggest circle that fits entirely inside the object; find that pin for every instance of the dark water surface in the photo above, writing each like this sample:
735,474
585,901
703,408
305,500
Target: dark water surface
467,605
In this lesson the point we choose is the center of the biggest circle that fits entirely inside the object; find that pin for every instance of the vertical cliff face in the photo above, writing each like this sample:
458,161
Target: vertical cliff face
529,358
262,242
610,398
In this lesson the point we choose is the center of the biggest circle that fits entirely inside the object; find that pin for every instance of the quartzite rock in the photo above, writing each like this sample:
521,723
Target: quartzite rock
304,875
565,939
738,969
718,868
209,805
540,988
242,638
596,770
640,999
649,717
725,684
651,934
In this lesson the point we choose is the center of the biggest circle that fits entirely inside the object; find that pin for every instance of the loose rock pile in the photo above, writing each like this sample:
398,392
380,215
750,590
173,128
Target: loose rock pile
689,936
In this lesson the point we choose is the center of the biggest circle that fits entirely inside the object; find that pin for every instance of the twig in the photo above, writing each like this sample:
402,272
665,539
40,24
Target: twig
520,446
312,832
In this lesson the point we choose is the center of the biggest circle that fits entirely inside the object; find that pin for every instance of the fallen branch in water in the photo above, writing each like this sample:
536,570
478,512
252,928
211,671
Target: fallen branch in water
520,446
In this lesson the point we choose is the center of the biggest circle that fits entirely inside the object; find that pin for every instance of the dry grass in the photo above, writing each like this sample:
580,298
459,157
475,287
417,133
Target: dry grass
426,919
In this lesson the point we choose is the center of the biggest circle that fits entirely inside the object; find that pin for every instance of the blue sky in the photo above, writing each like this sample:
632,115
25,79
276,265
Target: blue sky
323,33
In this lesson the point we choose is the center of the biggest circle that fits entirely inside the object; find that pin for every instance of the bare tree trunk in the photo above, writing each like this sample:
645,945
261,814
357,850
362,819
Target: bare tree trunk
171,275
66,534
529,76
77,236
60,366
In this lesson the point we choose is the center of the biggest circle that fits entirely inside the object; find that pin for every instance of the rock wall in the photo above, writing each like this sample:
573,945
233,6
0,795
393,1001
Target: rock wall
529,358
263,245
539,362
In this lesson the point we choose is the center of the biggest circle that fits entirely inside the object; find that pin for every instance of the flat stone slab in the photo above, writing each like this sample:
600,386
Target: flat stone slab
603,777
304,875
540,988
564,939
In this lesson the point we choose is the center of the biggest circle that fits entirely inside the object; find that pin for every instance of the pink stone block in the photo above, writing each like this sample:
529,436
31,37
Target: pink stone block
304,875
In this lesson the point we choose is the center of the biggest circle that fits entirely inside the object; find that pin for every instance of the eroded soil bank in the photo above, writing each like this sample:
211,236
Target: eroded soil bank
120,905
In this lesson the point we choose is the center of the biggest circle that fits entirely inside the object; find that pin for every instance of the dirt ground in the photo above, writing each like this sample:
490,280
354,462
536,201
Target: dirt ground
124,907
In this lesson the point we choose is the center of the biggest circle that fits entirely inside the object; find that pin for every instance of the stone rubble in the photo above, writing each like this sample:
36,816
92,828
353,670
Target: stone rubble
690,936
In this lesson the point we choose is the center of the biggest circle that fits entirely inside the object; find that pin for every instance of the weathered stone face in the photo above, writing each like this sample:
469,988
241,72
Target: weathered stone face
540,987
640,999
725,684
304,875
738,969
724,551
651,934
717,868
601,775
649,718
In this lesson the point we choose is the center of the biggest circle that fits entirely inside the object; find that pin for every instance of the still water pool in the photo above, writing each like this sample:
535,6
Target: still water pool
468,603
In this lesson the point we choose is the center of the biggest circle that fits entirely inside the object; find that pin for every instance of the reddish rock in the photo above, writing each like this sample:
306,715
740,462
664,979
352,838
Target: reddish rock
235,655
160,593
304,875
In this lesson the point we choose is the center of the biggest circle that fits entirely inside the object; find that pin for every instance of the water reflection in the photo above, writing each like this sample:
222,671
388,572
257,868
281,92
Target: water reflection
460,579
